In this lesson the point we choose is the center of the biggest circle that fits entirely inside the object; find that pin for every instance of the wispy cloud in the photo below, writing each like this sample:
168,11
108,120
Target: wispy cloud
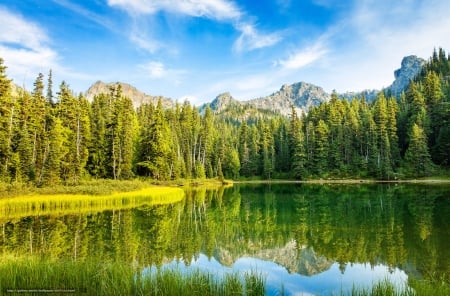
24,45
86,13
251,39
26,48
158,70
303,57
219,10
214,9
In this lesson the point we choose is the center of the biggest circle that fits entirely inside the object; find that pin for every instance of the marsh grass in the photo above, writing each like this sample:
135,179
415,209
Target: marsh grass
97,277
174,282
414,288
41,204
113,278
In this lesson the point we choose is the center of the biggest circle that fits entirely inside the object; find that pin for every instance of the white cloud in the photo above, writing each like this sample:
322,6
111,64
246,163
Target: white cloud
145,42
24,46
214,9
219,10
157,70
251,39
88,14
377,35
303,57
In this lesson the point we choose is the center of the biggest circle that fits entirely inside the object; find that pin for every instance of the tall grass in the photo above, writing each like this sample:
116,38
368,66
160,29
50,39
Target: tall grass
75,203
413,288
113,278
96,277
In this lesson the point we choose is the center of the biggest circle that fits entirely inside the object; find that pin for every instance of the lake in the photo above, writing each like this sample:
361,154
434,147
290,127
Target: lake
306,239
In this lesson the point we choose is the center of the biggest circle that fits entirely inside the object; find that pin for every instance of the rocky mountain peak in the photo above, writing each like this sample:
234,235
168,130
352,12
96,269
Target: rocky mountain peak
410,67
301,95
129,91
222,101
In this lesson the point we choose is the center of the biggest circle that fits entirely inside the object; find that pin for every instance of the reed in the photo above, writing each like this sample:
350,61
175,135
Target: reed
44,204
414,288
114,278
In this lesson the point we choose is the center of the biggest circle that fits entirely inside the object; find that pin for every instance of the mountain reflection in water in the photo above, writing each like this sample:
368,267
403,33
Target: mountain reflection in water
307,237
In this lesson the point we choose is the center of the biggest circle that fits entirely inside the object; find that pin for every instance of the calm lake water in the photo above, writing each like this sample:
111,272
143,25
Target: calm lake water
304,239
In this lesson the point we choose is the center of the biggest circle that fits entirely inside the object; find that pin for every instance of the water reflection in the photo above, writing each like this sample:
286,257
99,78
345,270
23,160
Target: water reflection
329,282
309,234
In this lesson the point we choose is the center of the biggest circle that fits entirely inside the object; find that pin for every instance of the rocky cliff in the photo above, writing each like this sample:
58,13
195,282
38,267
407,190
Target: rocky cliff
410,67
129,91
301,95
303,261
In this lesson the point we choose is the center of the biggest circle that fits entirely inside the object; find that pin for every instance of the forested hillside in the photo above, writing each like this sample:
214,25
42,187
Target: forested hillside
48,138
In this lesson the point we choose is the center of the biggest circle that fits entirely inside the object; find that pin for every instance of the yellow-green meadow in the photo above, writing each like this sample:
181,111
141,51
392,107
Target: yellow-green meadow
40,204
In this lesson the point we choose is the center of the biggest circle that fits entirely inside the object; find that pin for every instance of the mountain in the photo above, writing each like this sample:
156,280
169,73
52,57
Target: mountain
129,91
410,67
301,95
303,261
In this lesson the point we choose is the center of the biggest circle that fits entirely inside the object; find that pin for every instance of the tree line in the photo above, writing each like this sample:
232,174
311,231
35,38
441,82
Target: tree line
48,138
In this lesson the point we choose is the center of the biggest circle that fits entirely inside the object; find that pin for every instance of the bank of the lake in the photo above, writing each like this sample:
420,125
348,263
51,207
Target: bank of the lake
103,187
29,275
318,239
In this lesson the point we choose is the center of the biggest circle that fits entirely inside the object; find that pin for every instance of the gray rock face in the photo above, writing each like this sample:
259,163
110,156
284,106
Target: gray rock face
303,261
410,67
301,95
129,91
222,101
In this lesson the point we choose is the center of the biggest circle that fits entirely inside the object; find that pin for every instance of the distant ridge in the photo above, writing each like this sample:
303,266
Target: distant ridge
301,95
129,91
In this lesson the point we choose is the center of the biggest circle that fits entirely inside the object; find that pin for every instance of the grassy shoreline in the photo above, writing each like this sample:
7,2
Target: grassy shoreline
120,278
49,204
102,187
344,181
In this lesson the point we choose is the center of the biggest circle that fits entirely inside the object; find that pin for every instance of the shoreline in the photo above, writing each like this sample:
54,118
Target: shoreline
344,181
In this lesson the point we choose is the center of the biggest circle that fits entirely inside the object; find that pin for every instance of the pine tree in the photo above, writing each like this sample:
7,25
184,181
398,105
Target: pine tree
57,148
383,162
244,150
7,113
417,157
97,164
155,145
50,88
321,147
296,141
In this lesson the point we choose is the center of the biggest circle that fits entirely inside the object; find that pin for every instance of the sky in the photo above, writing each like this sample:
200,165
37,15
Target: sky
197,49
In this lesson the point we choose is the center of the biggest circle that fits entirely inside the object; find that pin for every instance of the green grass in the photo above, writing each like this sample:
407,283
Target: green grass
120,278
102,186
40,204
414,288
113,278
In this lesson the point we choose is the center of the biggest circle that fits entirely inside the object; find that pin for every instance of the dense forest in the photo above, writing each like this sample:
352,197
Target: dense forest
48,138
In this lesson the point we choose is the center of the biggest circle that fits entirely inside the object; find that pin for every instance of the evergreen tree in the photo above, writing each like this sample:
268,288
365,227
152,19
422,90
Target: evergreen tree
321,146
417,157
155,145
383,162
296,140
55,153
50,88
7,108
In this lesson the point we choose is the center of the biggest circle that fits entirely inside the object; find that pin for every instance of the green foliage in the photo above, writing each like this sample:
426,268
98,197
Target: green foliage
109,138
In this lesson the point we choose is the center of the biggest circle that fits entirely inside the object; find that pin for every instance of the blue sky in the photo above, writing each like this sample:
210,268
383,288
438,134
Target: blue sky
197,49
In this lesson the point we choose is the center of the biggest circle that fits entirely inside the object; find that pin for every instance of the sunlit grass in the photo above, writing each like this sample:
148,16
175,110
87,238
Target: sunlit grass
41,204
119,278
413,288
